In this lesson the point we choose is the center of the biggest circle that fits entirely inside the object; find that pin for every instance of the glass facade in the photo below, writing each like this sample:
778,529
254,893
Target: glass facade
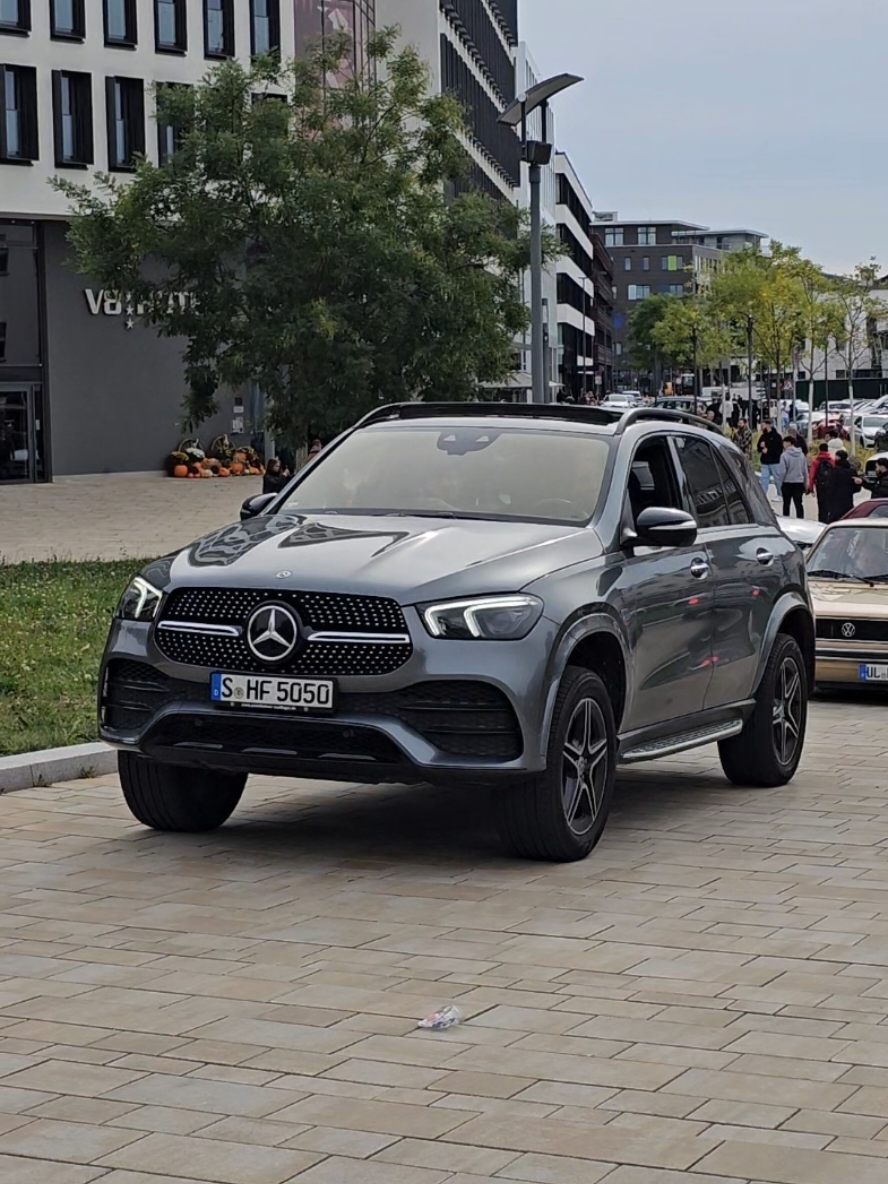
317,20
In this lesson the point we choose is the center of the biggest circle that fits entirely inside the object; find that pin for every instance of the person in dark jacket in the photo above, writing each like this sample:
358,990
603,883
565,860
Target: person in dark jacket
879,487
770,448
820,480
843,485
275,478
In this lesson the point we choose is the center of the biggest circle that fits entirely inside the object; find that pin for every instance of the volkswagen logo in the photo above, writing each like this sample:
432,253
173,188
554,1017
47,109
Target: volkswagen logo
272,633
849,629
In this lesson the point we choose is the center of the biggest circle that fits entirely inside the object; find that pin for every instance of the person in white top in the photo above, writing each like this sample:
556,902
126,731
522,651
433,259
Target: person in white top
834,443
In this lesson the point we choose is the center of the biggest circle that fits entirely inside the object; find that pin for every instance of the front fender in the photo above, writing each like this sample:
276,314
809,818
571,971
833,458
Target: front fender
790,602
600,619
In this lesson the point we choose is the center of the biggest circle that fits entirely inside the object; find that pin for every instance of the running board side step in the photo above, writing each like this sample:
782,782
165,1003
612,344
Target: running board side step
669,745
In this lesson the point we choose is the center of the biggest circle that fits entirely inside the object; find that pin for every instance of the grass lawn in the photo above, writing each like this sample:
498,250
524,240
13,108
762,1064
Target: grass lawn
53,622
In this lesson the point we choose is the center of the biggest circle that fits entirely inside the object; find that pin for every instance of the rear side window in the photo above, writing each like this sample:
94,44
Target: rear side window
738,511
749,484
704,481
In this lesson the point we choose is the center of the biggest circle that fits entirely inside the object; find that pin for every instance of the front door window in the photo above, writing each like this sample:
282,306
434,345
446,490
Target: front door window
21,434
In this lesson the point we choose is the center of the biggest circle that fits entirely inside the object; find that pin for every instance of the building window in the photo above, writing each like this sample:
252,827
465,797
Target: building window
67,20
265,26
646,263
638,291
72,117
674,289
15,16
627,263
618,348
647,236
170,26
218,28
613,236
125,99
169,135
18,114
120,22
672,263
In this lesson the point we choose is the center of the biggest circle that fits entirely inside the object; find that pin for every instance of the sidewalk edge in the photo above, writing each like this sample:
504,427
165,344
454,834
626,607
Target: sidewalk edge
27,770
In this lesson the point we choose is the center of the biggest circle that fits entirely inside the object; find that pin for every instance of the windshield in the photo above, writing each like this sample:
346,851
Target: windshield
465,471
852,553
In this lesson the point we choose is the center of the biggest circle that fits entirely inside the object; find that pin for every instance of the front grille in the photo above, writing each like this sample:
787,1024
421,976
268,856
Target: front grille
134,691
830,629
242,736
468,719
318,611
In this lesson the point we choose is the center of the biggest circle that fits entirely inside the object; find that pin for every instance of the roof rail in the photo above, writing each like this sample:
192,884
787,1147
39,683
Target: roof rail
570,412
667,413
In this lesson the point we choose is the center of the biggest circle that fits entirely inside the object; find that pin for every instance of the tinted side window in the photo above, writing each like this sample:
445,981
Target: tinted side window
704,481
750,485
738,511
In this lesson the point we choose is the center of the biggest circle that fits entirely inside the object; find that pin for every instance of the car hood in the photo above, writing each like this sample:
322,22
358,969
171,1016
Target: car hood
841,598
410,559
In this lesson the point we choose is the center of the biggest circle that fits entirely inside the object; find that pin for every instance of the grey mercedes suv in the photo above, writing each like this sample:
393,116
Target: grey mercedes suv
516,596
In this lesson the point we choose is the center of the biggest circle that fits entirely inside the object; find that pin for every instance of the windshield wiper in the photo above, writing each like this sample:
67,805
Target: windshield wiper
841,575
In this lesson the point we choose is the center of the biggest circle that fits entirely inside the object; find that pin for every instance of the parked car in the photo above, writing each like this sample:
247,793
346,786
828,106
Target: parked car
876,507
848,570
510,596
868,428
803,532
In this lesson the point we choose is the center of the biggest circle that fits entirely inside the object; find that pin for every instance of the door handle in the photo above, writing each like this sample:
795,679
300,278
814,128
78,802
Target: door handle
765,557
700,569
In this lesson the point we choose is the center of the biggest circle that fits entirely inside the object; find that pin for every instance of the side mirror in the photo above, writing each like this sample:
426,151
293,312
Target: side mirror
661,526
254,507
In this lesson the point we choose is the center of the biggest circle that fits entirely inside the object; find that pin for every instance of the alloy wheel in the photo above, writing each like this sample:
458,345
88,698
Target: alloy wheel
584,767
788,704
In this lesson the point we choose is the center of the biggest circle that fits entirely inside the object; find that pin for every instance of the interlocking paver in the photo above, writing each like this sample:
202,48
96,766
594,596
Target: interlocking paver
701,1000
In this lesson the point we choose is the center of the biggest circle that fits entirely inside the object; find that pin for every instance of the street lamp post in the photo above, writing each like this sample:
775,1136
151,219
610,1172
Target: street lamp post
695,342
750,322
536,154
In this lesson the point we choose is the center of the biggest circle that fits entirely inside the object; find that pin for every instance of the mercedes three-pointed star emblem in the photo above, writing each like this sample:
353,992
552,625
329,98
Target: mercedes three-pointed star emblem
272,633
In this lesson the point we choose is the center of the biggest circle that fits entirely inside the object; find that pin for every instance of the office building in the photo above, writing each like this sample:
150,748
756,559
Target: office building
84,388
654,256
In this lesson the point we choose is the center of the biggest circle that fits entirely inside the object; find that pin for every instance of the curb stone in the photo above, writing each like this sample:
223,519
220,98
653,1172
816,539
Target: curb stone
29,769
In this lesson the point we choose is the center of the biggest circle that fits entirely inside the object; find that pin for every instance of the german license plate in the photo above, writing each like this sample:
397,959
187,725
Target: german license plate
269,691
871,673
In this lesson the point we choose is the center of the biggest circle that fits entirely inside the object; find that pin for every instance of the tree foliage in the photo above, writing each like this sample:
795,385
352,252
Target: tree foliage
312,234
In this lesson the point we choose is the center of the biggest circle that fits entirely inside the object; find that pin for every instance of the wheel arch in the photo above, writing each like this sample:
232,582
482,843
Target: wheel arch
594,642
793,616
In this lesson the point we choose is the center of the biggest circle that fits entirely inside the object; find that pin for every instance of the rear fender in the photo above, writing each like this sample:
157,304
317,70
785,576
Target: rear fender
789,602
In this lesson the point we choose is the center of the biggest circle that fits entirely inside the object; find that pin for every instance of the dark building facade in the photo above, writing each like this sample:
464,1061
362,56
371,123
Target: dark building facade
656,257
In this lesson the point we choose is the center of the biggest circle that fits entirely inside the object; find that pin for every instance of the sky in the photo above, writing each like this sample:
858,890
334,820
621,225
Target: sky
770,115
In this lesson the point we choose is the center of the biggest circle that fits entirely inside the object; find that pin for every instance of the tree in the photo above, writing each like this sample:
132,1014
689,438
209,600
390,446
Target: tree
317,249
644,352
859,313
691,333
768,288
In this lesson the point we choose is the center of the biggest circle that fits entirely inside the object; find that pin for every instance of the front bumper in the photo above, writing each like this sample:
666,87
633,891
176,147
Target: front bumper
384,729
837,663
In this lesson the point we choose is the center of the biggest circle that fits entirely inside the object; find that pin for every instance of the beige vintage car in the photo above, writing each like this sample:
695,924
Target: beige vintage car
848,573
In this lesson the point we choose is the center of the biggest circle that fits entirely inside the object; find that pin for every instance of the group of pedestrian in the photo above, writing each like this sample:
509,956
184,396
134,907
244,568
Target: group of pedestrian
281,468
830,476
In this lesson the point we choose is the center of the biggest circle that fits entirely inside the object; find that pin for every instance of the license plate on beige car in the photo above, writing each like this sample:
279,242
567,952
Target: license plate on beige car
873,673
273,692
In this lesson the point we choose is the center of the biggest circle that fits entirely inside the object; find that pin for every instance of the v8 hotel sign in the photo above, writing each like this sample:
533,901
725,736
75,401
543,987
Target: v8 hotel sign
116,304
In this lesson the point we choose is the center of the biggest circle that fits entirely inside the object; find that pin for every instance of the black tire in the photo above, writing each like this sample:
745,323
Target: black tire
534,817
768,750
170,797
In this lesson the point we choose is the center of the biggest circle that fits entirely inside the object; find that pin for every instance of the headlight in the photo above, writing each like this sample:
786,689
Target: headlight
489,618
139,602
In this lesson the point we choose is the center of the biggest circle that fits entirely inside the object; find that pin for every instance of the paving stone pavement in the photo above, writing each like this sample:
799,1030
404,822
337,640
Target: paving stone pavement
702,1000
130,516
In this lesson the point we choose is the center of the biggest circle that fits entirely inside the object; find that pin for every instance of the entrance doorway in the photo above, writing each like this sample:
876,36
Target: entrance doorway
22,455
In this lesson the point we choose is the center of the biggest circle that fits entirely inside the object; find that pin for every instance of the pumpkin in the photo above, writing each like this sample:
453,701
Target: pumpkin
236,469
180,471
255,472
222,473
241,456
205,473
